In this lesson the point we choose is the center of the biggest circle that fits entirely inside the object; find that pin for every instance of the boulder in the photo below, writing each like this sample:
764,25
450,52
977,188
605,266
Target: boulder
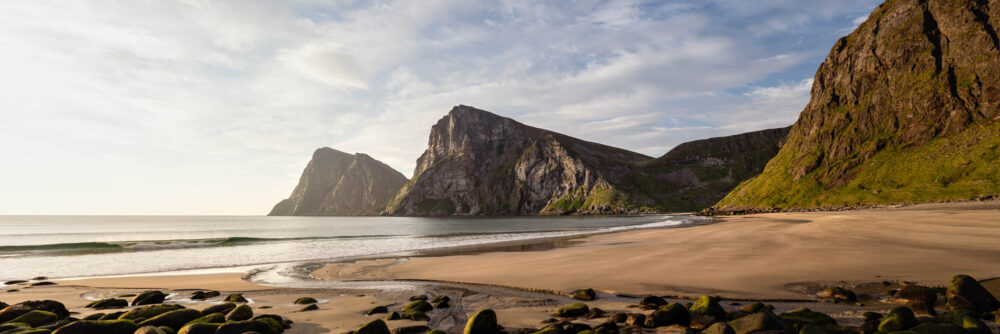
802,317
606,328
13,311
672,314
112,315
572,310
243,326
411,330
242,312
436,331
46,283
585,294
236,298
595,313
440,298
442,304
837,294
201,295
635,320
869,316
220,308
753,307
150,330
652,301
274,326
310,307
95,316
285,323
214,318
36,318
418,305
418,297
936,328
393,316
965,293
377,310
199,328
968,321
376,326
706,305
149,311
98,326
58,323
415,315
149,297
675,329
918,298
173,319
15,282
305,301
108,303
483,322
719,328
758,322
899,319
618,318
813,329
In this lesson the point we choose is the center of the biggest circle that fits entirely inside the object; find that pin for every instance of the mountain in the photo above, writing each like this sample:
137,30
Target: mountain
904,109
335,183
479,163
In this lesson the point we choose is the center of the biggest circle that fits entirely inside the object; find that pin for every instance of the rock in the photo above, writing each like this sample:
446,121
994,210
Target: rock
869,316
965,293
572,310
411,330
899,319
199,328
240,327
753,307
149,311
415,315
376,326
95,316
393,316
214,318
595,313
801,317
936,328
42,283
220,308
236,298
635,320
618,317
585,294
150,330
706,305
335,183
13,311
442,304
173,319
285,323
813,329
968,321
920,299
440,298
149,297
112,315
436,331
98,326
377,310
652,301
675,329
606,328
201,295
109,303
15,282
483,322
701,321
758,322
36,318
719,328
305,301
418,297
242,312
418,305
310,307
274,326
672,314
838,294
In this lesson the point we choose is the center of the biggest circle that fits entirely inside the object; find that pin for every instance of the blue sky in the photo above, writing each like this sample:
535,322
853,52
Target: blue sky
214,107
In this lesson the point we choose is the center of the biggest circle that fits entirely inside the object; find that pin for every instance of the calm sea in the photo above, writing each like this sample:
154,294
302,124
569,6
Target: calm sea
79,246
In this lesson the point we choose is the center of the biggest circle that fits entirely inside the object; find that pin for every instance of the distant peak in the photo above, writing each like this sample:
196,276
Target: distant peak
326,151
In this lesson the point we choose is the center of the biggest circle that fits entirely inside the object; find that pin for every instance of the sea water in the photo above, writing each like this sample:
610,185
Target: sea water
82,246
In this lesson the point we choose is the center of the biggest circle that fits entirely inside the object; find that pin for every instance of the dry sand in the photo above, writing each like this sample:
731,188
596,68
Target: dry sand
766,256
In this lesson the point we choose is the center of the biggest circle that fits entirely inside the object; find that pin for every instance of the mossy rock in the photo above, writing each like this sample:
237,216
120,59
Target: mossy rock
550,329
965,293
918,298
585,294
199,328
813,329
572,310
418,305
236,298
415,315
706,305
149,297
672,314
126,295
483,322
393,316
719,328
306,301
418,297
966,320
760,321
95,316
753,307
173,319
240,313
243,326
112,316
98,326
442,304
838,294
606,328
937,328
150,330
899,319
213,318
13,311
36,318
376,326
377,310
440,298
310,307
220,308
436,331
869,316
801,317
201,295
652,301
149,311
274,326
15,282
635,319
108,303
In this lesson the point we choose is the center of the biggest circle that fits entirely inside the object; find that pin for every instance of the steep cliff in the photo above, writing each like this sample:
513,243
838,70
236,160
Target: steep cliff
335,183
904,109
479,163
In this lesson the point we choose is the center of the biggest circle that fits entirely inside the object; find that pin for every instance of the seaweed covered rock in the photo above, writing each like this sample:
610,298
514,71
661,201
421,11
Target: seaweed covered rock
652,301
418,297
236,298
706,305
173,319
436,331
149,311
415,315
98,326
239,327
242,312
306,301
151,330
753,307
285,323
719,328
618,317
635,320
201,295
36,318
418,305
483,322
672,314
149,297
13,311
310,307
214,318
572,310
377,310
585,294
94,316
393,316
802,317
112,315
440,298
965,293
199,328
899,319
968,321
442,304
837,294
936,328
220,308
108,303
757,322
376,326
918,298
419,329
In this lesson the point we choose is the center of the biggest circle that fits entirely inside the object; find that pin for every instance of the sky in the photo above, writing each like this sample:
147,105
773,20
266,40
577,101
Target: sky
200,107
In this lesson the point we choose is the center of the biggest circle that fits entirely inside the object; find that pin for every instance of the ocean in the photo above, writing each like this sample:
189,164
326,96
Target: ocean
86,246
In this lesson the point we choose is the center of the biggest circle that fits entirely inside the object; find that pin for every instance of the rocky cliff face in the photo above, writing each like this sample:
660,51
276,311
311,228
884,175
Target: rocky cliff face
335,183
904,109
479,163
